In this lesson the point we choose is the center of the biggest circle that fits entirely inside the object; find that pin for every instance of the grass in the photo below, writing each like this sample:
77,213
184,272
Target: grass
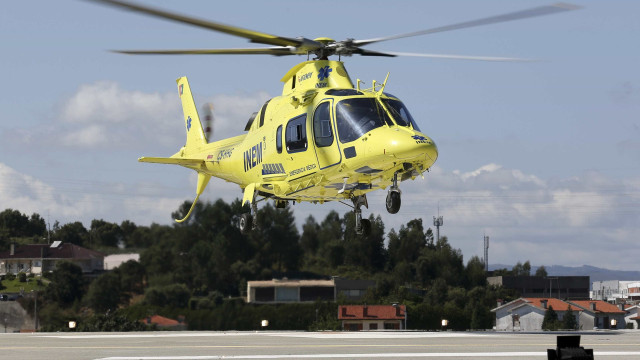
15,286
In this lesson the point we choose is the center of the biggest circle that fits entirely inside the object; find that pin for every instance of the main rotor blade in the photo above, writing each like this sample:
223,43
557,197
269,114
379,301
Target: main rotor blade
254,36
523,14
461,57
276,51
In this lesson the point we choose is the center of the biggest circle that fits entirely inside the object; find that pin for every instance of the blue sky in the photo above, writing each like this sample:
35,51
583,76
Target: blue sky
544,157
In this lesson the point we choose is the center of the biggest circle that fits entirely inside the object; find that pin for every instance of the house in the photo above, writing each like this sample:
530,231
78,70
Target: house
286,290
599,314
527,314
372,317
559,287
39,258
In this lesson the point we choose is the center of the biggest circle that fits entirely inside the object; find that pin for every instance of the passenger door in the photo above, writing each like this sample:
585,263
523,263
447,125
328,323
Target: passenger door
325,137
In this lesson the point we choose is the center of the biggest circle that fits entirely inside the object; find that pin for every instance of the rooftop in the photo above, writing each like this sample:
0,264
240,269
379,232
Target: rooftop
44,251
371,312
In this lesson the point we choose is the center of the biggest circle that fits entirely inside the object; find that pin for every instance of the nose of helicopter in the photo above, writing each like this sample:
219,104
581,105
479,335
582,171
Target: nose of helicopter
407,145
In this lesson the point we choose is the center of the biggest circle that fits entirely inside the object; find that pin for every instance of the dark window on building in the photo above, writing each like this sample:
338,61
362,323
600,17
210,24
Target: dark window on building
296,134
373,326
313,293
322,125
391,326
279,139
265,294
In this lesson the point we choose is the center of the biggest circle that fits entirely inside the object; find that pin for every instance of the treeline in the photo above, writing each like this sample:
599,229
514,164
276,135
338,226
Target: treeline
198,268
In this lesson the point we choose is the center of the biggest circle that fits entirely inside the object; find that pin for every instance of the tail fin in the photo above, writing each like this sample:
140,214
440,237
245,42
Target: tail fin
195,134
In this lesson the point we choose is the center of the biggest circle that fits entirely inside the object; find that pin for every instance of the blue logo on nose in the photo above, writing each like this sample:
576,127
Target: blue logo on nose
324,73
189,123
420,139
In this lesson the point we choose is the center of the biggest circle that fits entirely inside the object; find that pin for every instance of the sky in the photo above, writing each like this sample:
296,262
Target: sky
541,156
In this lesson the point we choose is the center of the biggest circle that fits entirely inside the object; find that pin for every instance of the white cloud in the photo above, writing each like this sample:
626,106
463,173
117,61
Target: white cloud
68,200
558,221
103,115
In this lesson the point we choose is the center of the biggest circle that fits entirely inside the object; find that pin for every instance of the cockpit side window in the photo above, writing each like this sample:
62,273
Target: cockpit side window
357,116
279,139
400,113
296,134
322,125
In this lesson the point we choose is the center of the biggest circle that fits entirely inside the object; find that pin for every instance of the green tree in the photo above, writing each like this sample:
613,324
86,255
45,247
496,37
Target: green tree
309,240
105,292
569,320
132,276
407,244
15,223
475,273
74,233
481,317
520,269
550,320
105,233
541,271
37,225
176,295
67,284
366,253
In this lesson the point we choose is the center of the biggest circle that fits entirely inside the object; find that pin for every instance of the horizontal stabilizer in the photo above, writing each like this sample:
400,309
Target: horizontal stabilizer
174,161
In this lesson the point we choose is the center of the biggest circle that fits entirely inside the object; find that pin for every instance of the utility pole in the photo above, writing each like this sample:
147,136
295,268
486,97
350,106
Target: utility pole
486,253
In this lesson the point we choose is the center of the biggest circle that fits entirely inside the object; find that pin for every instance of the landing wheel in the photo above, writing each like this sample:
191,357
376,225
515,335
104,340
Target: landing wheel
393,201
365,227
245,223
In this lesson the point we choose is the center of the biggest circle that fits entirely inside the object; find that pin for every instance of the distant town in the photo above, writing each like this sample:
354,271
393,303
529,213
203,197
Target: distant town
205,274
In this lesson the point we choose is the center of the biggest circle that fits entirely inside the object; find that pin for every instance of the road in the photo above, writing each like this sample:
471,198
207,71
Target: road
306,345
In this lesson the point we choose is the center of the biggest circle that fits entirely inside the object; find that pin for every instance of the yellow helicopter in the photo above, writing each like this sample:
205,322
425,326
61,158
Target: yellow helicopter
325,138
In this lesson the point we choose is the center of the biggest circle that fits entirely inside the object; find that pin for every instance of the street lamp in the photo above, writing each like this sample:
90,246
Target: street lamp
35,309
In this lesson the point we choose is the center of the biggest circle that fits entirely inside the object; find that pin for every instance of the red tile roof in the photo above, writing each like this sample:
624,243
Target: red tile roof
44,251
373,312
160,321
601,306
557,304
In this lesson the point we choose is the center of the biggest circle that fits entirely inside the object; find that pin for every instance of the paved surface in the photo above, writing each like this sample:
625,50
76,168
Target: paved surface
306,345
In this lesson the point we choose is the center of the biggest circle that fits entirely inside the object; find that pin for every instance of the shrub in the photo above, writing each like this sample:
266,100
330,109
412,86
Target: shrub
176,296
22,277
10,277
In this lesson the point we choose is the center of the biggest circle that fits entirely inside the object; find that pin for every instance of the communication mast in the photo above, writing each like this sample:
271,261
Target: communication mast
437,222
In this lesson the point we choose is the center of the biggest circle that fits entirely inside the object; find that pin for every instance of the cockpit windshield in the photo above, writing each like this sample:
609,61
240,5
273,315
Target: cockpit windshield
357,116
400,113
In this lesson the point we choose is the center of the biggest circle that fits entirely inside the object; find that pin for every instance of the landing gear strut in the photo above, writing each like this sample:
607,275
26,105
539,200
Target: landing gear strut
363,226
248,221
393,196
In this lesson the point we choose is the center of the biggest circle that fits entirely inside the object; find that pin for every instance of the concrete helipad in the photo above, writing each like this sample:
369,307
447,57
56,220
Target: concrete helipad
306,345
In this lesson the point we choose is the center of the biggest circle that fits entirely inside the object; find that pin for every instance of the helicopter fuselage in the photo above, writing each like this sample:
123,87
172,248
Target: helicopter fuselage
322,140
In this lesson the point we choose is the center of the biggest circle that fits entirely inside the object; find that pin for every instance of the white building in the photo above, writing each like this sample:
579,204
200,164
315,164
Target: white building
613,291
527,314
